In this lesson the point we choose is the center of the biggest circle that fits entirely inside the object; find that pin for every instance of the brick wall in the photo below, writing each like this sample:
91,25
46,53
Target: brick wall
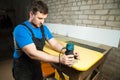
111,67
93,13
90,13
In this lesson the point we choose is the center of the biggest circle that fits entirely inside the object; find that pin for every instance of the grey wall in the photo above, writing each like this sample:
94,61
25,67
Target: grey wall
6,41
93,13
21,10
17,10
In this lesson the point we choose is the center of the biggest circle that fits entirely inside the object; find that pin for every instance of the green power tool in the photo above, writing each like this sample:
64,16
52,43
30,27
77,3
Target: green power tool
69,48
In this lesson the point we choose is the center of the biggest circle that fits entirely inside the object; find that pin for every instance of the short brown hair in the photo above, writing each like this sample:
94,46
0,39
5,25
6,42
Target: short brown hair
39,6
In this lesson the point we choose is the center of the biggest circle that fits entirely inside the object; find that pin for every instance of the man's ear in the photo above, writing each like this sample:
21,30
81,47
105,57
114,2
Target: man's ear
31,14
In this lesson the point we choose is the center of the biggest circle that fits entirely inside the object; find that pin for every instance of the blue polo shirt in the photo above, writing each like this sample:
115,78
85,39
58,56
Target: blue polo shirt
23,36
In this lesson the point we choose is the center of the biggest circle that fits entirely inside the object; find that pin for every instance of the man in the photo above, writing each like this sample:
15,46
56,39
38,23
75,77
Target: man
29,39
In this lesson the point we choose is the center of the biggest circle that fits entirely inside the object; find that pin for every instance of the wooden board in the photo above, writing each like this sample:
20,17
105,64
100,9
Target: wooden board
87,57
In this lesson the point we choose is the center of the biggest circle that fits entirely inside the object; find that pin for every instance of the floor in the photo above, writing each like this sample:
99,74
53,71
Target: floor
6,69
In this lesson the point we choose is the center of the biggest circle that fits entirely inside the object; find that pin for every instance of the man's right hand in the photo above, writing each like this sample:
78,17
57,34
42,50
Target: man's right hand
67,59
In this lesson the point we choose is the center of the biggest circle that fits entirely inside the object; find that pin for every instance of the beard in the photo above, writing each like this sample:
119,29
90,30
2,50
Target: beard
36,25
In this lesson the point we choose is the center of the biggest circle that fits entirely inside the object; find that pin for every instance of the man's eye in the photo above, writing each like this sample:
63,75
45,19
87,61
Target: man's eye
40,18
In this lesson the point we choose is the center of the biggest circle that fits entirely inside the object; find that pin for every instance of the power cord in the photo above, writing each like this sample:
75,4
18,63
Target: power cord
60,71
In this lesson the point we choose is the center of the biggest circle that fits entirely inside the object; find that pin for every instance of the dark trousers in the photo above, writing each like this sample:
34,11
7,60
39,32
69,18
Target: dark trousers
25,70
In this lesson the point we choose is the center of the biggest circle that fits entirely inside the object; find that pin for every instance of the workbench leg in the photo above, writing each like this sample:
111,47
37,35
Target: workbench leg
94,75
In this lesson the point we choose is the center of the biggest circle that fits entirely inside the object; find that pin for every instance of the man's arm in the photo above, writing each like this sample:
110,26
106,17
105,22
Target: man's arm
33,53
59,47
56,45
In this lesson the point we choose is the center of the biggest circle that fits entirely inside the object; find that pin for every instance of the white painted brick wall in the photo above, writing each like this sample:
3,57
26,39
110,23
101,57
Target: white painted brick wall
105,11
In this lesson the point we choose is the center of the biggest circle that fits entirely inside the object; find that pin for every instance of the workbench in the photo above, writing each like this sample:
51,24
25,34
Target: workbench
88,74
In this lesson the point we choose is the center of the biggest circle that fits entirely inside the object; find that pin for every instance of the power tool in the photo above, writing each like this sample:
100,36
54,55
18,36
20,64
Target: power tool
69,48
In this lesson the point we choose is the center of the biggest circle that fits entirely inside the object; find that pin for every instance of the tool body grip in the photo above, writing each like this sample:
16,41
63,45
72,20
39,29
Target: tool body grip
69,48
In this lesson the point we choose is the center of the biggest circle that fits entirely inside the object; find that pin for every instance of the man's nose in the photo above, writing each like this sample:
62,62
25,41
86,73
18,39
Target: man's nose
42,21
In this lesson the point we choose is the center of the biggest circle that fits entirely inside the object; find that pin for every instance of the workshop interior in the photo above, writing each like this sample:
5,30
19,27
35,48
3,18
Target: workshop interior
92,27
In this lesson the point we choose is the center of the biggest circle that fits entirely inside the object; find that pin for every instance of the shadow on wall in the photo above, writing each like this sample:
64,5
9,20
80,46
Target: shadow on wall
6,40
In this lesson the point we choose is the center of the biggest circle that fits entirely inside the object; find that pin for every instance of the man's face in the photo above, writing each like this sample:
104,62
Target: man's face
37,19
